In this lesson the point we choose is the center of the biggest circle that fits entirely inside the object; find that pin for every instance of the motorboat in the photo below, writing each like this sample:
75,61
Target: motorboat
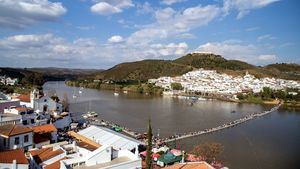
116,94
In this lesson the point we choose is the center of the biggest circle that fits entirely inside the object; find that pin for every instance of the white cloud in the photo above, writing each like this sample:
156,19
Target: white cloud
109,7
251,29
245,6
22,13
144,8
238,50
170,2
115,39
49,50
86,28
267,58
266,37
171,23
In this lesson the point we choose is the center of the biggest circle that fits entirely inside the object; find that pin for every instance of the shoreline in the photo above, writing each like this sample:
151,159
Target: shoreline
126,89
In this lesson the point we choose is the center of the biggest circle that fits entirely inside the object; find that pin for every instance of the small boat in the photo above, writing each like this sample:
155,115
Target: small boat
92,114
117,128
85,116
116,94
125,91
79,91
74,96
233,111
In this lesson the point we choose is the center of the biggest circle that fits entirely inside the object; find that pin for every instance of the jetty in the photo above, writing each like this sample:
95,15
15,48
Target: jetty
221,127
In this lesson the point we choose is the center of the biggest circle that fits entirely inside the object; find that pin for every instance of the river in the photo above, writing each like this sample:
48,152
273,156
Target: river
272,141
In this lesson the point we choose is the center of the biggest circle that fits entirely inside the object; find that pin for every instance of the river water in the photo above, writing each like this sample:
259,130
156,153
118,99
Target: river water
272,141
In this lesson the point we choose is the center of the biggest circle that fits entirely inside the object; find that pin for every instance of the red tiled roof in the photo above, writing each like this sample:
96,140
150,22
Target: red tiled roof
55,165
9,156
13,129
192,165
24,98
45,154
21,108
47,128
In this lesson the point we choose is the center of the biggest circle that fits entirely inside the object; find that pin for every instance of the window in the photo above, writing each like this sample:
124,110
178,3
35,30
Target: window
26,138
45,100
22,113
17,141
32,121
24,122
4,142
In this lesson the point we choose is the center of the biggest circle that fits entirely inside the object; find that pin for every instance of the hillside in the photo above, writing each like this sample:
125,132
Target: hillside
147,69
144,70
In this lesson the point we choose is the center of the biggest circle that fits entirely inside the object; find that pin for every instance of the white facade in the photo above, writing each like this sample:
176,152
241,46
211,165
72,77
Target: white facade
17,141
10,119
103,158
13,166
46,104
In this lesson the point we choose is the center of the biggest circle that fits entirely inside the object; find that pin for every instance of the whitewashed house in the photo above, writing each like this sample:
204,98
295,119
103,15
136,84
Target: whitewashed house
14,136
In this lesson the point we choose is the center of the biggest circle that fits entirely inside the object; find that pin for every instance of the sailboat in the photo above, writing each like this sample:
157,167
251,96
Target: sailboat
116,93
74,95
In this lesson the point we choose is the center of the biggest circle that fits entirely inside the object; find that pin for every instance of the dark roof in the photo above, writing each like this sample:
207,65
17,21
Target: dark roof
13,129
9,156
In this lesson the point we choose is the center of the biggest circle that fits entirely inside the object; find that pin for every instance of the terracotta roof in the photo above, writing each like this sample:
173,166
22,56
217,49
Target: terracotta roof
45,154
24,98
192,165
9,156
47,128
21,108
55,165
84,139
13,129
87,145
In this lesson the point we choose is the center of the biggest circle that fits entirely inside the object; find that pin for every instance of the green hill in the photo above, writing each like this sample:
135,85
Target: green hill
147,69
144,70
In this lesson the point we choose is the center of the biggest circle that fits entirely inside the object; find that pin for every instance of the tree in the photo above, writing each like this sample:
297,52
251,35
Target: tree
149,147
266,93
176,86
209,151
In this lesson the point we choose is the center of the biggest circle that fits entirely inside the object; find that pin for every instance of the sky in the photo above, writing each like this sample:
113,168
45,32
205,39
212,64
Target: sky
103,33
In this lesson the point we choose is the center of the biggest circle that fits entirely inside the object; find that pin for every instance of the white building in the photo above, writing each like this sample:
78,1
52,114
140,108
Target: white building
46,104
105,136
10,119
13,159
14,136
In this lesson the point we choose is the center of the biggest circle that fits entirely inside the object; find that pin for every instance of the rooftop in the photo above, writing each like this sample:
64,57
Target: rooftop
106,136
55,165
102,165
24,98
191,165
13,129
47,128
45,154
9,156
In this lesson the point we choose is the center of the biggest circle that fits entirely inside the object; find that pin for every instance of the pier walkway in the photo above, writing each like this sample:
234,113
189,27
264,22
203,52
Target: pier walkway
221,127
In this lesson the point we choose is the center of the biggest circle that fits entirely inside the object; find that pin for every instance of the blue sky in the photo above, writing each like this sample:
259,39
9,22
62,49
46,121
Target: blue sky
102,33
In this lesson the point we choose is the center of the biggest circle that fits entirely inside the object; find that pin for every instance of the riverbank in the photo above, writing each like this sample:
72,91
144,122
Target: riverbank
131,87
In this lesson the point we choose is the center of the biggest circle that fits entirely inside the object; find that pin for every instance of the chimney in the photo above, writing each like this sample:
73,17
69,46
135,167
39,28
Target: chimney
14,164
